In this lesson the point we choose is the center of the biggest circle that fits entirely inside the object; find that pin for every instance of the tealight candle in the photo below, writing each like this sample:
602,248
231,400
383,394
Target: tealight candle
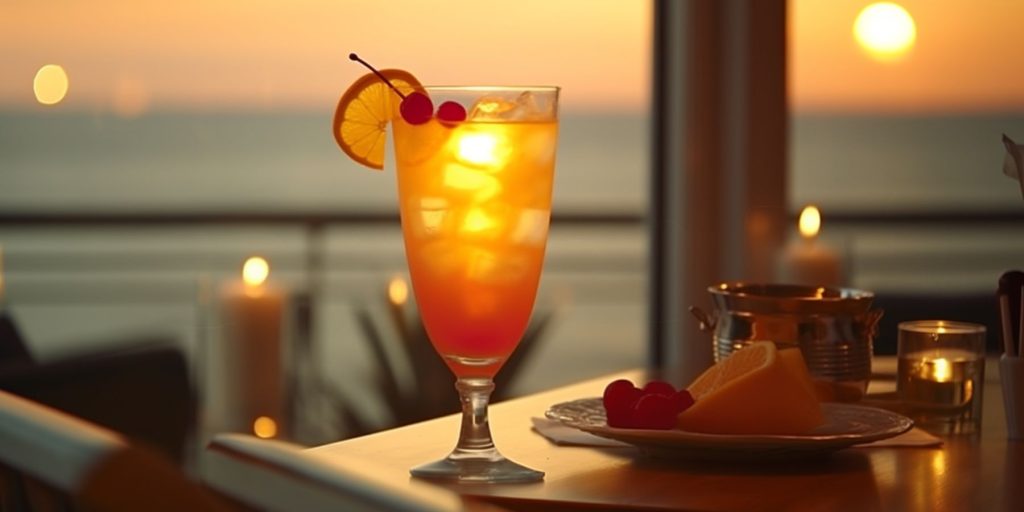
808,260
252,355
941,372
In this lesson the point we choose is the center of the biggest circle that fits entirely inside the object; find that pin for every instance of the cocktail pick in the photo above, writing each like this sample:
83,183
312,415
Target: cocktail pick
1011,288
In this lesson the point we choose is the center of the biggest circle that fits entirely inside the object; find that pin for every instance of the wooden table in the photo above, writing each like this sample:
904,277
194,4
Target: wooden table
981,473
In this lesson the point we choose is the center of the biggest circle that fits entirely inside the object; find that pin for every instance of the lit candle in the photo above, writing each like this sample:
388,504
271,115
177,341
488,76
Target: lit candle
254,314
939,379
940,371
398,295
807,260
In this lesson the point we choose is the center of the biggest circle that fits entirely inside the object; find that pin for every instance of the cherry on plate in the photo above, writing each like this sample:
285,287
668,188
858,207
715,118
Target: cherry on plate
654,412
682,400
659,387
619,398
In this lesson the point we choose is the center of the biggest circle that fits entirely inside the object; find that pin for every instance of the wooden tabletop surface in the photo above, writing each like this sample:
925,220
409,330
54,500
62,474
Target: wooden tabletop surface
983,472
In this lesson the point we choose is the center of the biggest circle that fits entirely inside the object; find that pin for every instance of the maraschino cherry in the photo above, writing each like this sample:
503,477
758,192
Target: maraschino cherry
451,112
416,107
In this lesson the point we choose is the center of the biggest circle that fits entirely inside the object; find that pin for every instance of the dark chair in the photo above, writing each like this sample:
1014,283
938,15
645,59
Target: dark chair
143,392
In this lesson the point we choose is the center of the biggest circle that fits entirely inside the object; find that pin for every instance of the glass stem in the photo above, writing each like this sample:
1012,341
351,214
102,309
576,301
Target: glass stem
475,436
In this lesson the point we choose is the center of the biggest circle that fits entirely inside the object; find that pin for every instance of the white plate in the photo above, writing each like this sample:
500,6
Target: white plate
845,425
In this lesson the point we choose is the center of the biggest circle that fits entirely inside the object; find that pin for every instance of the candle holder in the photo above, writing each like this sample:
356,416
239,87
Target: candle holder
941,372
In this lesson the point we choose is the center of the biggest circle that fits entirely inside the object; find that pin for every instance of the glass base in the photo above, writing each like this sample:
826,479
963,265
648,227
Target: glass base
477,470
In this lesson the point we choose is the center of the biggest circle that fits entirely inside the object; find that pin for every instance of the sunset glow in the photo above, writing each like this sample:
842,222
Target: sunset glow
885,30
130,59
957,61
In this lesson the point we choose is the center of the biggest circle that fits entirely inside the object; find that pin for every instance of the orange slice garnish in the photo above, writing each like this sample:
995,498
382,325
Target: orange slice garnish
756,390
364,111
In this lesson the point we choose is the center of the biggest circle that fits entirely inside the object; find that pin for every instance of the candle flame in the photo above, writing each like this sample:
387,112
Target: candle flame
810,221
264,427
398,290
255,271
942,370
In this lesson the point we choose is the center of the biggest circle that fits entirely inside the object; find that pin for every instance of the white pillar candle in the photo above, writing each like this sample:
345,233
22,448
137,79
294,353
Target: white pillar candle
252,352
808,260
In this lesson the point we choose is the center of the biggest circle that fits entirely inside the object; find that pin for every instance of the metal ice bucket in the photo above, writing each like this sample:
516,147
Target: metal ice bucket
833,327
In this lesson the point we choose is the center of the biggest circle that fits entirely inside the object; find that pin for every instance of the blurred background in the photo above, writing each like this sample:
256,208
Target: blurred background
146,152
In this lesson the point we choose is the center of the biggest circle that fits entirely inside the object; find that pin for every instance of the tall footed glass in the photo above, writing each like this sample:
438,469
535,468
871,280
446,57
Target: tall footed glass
475,201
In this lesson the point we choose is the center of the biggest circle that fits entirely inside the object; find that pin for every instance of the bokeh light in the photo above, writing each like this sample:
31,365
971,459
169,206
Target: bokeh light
264,427
50,85
810,221
255,271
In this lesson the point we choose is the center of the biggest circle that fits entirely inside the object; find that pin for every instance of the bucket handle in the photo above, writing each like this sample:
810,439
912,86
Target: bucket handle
707,322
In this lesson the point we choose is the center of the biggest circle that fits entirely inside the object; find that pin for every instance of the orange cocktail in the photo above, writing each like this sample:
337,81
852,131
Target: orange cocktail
475,201
475,172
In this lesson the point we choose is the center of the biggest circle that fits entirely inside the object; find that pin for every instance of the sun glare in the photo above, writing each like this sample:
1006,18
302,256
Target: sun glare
885,30
50,85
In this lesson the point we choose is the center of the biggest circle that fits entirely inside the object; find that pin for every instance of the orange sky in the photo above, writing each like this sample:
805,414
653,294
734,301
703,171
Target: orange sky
214,54
969,56
271,53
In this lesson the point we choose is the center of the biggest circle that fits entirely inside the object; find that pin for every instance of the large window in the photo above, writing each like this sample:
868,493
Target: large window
205,110
897,118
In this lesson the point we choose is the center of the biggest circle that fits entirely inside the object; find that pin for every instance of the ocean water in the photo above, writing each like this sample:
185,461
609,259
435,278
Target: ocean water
939,163
282,161
279,162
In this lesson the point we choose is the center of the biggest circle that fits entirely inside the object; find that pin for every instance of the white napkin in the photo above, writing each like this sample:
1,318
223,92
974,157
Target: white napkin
563,435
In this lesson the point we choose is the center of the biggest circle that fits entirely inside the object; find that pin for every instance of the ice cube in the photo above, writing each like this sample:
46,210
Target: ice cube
487,149
532,227
440,257
525,107
477,221
491,107
494,268
540,146
482,185
537,107
432,212
489,221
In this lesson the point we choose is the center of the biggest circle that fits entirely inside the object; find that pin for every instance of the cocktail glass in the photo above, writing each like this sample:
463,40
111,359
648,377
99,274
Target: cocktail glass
475,201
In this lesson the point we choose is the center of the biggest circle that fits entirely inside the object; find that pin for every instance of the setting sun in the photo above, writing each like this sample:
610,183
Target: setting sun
885,30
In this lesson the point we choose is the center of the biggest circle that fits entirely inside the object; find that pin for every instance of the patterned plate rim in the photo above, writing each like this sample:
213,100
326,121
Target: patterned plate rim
884,424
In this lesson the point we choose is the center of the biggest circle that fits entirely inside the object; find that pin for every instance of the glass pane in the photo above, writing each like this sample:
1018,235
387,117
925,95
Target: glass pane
897,116
225,107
